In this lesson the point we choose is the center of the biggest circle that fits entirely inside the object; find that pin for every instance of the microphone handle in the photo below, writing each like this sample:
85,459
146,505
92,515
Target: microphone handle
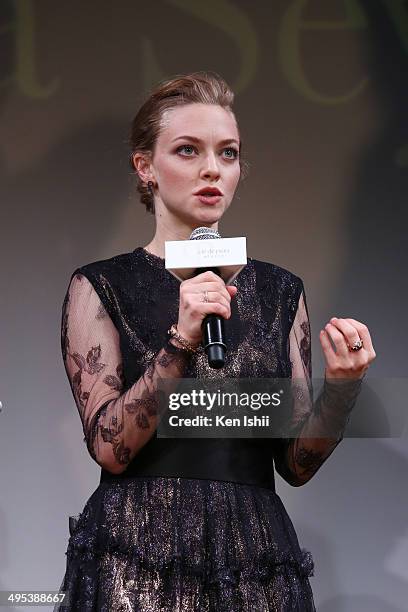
213,333
214,345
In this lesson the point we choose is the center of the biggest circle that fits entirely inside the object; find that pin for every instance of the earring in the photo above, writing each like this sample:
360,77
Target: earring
151,205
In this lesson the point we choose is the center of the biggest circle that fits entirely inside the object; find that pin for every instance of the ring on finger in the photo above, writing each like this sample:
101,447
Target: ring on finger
205,296
356,346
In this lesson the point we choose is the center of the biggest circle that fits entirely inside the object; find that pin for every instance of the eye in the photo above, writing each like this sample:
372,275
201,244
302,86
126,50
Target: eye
234,152
184,147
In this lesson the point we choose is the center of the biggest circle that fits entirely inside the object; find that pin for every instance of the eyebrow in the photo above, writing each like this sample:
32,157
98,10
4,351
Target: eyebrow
194,139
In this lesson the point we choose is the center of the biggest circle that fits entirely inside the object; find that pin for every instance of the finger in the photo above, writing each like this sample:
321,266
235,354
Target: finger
201,288
206,276
348,330
338,339
222,290
209,286
215,308
328,351
214,297
363,333
216,294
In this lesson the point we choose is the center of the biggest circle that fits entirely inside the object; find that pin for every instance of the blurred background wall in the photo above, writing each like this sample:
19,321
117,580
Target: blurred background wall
321,99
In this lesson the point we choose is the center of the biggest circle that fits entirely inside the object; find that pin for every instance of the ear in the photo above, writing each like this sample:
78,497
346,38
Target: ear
142,165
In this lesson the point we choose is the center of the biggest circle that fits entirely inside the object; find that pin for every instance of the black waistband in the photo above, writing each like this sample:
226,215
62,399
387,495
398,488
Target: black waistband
241,460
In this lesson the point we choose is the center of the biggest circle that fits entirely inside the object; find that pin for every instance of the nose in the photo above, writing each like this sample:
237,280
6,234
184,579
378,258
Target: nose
210,167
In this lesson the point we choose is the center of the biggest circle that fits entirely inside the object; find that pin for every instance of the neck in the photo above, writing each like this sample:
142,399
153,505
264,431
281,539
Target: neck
172,229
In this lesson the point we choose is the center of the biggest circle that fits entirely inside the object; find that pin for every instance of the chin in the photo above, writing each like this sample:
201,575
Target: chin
214,211
203,216
210,219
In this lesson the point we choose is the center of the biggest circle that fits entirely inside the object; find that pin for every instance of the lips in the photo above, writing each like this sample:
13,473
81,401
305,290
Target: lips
212,191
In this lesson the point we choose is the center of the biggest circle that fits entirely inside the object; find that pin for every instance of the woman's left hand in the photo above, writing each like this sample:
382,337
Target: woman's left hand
346,363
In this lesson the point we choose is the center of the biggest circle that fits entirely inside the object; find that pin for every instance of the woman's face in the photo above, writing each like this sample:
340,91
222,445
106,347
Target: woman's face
198,147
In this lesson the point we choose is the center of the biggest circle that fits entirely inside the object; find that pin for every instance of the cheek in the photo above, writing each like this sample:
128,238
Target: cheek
233,178
174,175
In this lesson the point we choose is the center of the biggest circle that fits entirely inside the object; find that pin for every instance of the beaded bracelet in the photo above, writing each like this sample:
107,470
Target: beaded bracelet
176,350
188,346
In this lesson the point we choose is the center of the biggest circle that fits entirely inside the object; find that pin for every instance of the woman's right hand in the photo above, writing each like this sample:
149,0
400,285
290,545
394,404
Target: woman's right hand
192,309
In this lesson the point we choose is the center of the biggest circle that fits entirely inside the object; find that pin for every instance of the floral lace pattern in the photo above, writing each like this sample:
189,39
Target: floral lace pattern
90,348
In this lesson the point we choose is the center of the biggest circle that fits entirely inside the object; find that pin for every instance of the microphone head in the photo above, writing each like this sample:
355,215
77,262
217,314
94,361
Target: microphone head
204,233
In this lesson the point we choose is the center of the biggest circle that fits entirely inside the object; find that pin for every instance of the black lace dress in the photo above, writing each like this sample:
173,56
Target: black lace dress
179,524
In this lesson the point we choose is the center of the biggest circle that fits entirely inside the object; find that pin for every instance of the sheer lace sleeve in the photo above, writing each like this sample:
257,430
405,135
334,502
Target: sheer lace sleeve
116,423
316,427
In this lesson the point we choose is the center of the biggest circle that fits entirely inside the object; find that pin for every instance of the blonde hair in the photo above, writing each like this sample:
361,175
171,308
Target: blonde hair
200,87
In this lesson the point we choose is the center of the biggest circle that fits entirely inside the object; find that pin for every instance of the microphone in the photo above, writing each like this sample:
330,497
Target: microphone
213,324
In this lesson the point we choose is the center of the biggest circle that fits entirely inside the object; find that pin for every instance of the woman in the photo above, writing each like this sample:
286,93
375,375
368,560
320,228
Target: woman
179,524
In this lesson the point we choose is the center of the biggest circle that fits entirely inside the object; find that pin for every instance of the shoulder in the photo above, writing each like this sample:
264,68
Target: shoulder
108,277
113,272
270,272
112,265
278,285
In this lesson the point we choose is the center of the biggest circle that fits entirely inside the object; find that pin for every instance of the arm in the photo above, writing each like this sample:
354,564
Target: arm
318,426
116,423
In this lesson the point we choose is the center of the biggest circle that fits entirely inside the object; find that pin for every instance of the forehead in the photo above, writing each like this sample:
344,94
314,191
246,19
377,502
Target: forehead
204,121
